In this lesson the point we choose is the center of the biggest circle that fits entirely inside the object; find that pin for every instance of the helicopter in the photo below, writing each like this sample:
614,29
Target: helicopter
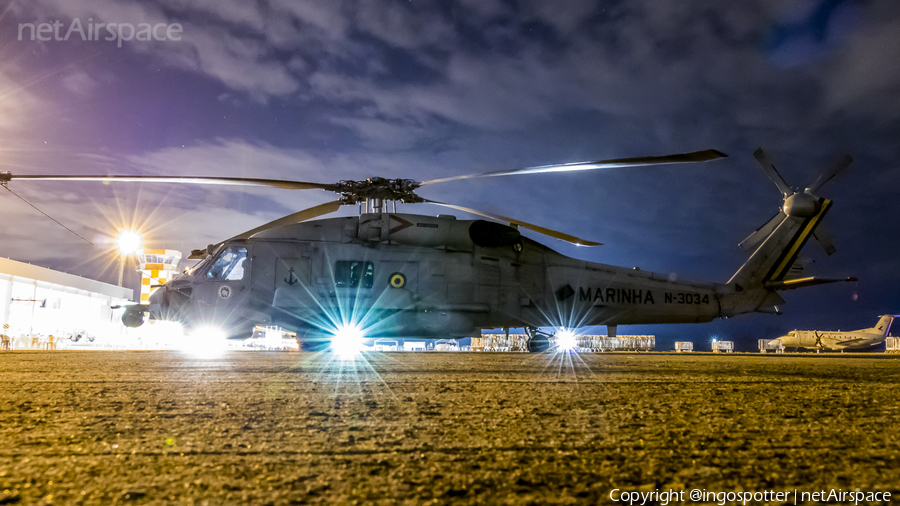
383,273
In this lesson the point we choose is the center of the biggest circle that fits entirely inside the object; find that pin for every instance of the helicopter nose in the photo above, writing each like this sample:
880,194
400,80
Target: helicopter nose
157,302
170,301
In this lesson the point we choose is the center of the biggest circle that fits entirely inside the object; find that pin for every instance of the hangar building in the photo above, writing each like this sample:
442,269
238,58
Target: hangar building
40,301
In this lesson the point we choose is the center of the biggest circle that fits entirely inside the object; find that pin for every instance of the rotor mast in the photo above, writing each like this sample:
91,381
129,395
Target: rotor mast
376,192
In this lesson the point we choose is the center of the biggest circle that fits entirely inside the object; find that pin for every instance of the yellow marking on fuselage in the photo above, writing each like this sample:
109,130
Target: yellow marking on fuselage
801,239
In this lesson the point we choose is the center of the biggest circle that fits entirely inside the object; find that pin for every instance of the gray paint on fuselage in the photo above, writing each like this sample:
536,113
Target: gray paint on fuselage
468,288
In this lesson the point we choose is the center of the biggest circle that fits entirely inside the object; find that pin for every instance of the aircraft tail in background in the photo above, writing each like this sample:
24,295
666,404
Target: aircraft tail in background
884,325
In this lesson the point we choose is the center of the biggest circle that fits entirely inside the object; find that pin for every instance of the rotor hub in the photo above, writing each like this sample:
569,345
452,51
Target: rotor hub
379,188
801,205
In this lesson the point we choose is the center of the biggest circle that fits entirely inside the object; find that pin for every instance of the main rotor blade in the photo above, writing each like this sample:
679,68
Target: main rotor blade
829,174
772,172
696,156
541,230
241,181
300,216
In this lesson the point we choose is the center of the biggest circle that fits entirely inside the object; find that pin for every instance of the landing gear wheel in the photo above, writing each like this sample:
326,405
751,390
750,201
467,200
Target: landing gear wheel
538,341
538,344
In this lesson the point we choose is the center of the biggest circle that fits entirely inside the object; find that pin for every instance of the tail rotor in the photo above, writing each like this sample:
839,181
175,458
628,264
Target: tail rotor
832,171
775,246
796,202
769,168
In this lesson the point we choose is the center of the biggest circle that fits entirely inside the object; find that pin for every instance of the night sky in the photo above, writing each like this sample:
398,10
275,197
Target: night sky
329,90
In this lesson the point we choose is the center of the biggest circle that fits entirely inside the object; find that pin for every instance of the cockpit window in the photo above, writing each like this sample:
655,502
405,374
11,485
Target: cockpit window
354,274
229,265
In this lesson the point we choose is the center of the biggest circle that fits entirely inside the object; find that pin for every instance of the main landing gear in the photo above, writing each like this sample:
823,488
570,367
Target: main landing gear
538,341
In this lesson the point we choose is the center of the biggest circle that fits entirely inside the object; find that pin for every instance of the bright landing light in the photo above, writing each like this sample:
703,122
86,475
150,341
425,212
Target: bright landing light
566,340
205,342
347,340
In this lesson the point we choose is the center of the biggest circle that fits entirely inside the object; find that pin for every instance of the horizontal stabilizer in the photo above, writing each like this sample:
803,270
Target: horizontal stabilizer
790,284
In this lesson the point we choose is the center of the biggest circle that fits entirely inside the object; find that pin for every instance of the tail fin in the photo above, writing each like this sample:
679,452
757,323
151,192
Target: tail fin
772,260
884,325
779,241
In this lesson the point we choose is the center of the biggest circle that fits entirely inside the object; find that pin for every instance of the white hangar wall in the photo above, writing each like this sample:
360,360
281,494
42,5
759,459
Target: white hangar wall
40,301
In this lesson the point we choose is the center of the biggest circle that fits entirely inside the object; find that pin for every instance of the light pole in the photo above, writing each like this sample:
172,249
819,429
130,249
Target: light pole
128,242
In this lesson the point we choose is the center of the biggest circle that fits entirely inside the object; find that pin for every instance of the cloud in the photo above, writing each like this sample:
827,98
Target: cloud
79,83
390,135
859,82
327,17
230,157
17,104
221,12
631,59
565,17
241,63
404,25
222,49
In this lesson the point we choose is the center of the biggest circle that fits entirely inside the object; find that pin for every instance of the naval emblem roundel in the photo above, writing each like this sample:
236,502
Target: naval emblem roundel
224,292
398,280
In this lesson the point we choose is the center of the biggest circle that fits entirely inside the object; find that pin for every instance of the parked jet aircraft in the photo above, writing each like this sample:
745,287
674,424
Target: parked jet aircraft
837,340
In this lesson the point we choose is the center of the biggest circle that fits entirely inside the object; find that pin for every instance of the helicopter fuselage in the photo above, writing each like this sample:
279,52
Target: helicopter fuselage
395,274
392,274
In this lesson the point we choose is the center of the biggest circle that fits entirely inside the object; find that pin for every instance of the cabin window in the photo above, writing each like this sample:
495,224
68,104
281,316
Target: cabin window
354,274
229,265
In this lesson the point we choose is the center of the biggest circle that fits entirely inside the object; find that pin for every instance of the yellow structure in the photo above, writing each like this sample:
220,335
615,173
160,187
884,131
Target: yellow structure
157,267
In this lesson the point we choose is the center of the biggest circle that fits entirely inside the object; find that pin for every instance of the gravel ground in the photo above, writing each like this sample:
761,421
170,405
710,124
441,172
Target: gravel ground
415,428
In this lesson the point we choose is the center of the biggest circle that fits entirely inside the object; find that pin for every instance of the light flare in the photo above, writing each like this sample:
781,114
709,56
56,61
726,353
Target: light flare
566,340
129,242
348,340
205,342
